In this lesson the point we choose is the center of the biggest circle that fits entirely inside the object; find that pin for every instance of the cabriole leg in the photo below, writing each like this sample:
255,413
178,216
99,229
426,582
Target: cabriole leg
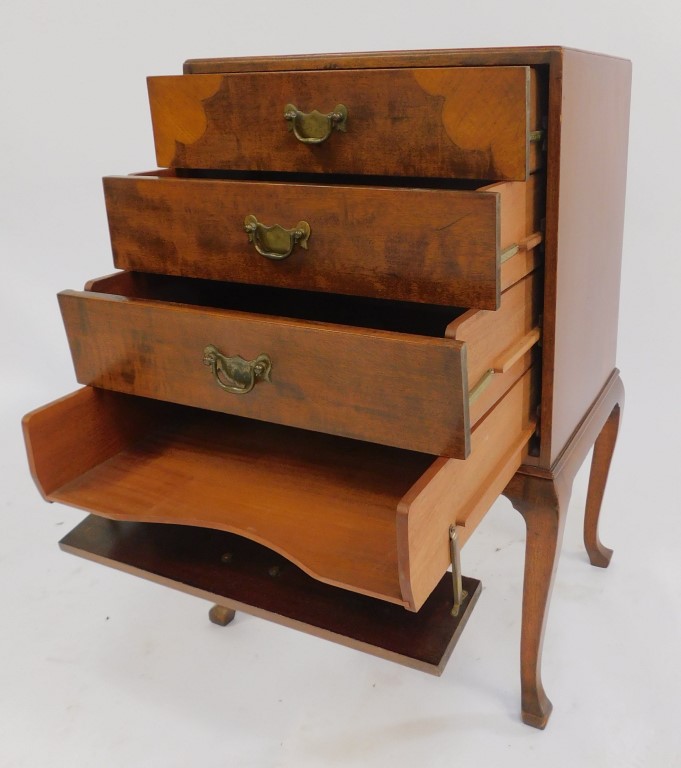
543,504
604,448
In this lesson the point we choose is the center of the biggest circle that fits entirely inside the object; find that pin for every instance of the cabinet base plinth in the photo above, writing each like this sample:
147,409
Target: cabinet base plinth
240,575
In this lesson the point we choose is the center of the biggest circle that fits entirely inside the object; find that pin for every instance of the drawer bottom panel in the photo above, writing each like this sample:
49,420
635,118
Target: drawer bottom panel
369,518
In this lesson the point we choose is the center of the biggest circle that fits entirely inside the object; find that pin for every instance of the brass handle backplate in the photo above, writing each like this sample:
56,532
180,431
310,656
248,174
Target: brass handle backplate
234,374
276,242
315,127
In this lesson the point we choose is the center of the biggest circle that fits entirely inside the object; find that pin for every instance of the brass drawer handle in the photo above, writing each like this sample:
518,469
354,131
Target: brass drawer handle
276,242
315,127
234,374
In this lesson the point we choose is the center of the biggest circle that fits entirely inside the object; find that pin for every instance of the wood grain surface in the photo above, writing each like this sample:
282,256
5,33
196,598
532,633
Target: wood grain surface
491,340
586,184
460,493
70,436
439,118
325,503
434,57
350,513
392,388
435,246
192,561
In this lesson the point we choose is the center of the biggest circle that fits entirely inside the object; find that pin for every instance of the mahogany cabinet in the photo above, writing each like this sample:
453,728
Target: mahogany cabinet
363,296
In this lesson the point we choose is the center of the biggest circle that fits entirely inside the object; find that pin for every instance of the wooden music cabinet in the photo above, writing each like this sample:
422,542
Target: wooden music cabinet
337,336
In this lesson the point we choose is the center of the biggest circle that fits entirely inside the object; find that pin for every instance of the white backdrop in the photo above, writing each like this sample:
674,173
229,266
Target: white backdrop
98,668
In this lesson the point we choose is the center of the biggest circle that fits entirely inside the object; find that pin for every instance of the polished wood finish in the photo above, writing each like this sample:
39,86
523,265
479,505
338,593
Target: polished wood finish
448,122
542,497
526,260
442,57
311,497
416,396
543,503
603,450
586,178
62,441
454,115
433,246
366,379
586,108
461,492
497,340
192,561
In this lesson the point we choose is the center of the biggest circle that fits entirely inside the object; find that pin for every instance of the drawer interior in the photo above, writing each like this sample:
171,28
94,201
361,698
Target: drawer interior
393,373
369,518
395,316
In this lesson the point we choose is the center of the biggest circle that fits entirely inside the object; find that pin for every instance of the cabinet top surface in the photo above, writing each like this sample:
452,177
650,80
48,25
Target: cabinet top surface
360,60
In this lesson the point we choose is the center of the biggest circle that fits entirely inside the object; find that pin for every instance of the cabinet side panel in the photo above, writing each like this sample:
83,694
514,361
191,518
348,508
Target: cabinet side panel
584,240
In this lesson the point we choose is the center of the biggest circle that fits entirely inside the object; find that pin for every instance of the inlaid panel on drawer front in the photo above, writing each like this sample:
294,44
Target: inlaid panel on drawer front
438,246
367,369
461,122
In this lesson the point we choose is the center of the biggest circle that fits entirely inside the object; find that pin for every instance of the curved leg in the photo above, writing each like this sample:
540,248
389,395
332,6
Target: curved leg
600,466
543,503
221,615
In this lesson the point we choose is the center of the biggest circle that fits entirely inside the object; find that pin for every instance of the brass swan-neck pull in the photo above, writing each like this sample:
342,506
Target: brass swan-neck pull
275,242
315,127
234,374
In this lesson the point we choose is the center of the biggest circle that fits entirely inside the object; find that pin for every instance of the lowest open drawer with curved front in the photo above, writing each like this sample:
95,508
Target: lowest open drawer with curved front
407,375
357,515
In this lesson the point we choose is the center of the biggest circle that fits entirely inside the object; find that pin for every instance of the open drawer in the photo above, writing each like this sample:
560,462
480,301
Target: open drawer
448,122
368,518
387,372
460,244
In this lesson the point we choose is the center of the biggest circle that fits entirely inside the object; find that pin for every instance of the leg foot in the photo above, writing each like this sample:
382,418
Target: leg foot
543,503
221,615
604,447
539,720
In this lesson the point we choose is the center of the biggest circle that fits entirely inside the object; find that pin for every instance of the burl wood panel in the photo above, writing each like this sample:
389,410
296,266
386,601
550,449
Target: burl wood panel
434,246
448,122
391,388
588,117
190,560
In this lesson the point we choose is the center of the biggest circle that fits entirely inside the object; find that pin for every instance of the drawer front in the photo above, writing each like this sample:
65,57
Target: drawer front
462,122
386,387
432,246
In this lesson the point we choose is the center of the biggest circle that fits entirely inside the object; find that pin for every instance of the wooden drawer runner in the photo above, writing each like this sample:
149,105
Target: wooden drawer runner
435,246
365,517
392,373
450,122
